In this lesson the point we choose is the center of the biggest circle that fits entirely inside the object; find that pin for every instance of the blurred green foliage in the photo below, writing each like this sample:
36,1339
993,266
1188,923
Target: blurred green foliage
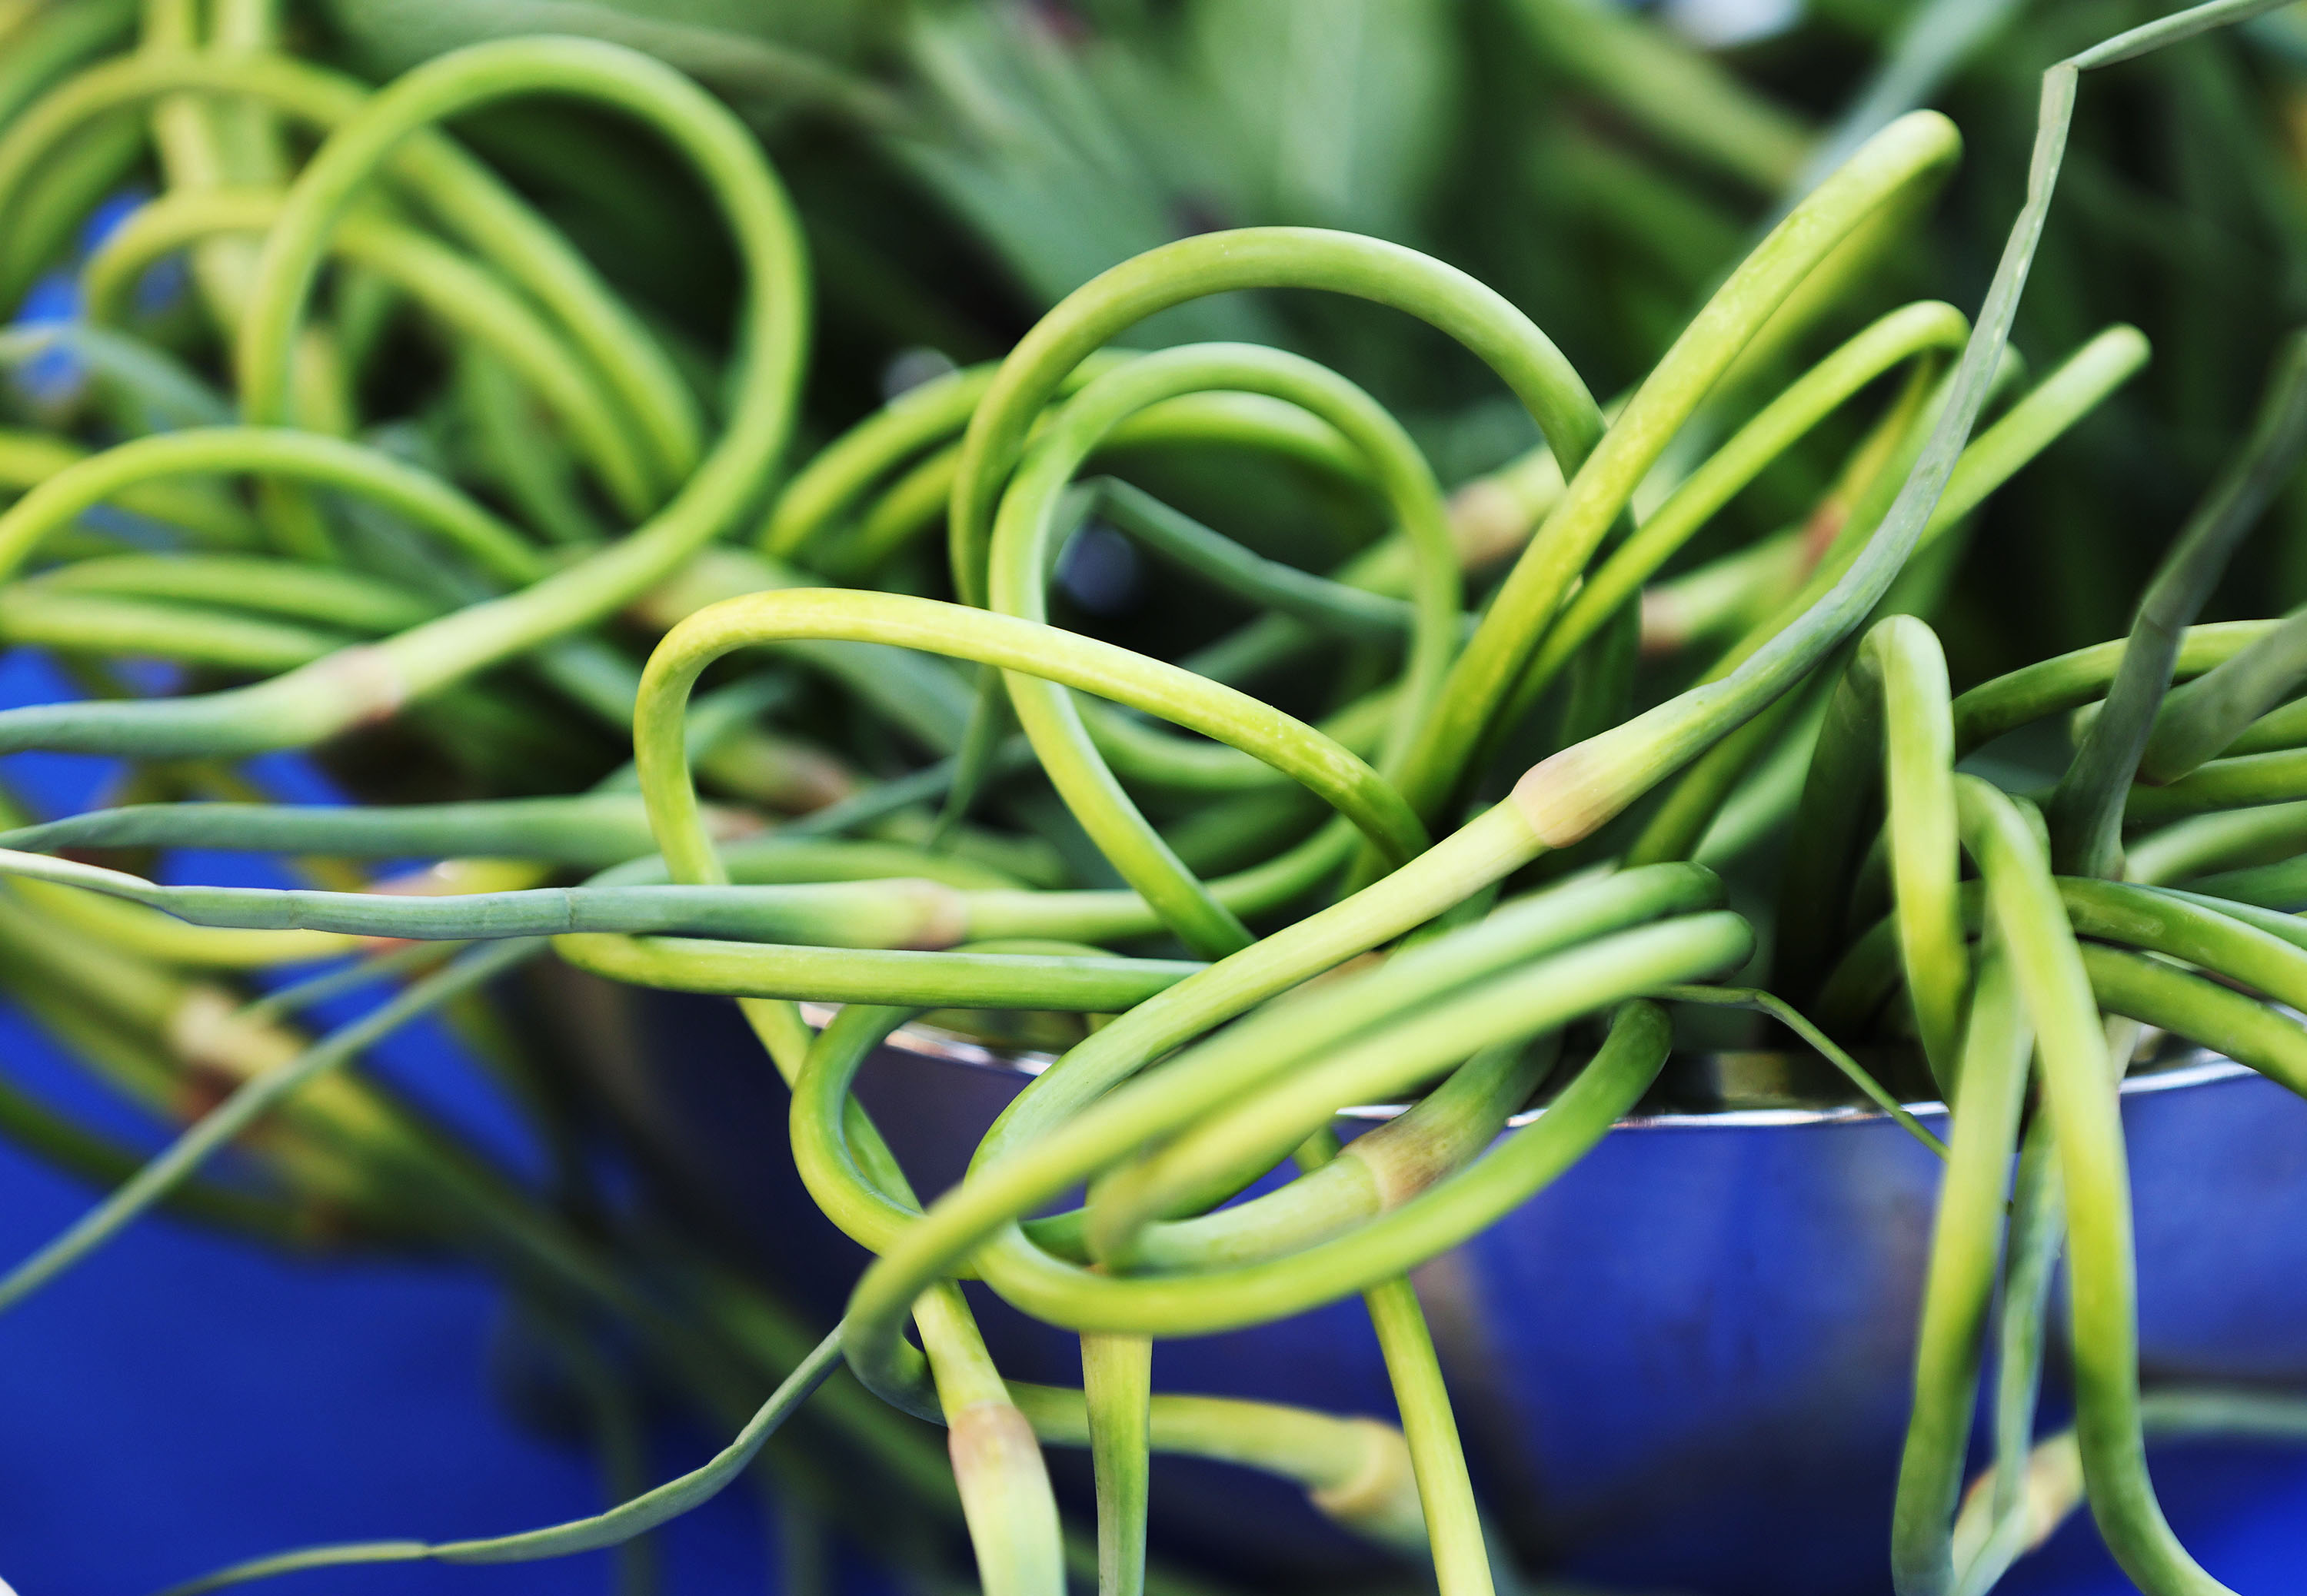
962,167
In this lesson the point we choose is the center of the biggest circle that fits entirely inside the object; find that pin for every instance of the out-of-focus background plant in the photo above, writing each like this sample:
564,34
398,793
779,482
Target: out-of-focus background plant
960,167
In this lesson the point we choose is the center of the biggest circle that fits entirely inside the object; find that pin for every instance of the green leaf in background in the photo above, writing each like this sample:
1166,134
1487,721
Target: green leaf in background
1026,147
1329,116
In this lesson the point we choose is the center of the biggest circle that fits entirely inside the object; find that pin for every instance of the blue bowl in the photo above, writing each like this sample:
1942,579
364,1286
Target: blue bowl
1685,1366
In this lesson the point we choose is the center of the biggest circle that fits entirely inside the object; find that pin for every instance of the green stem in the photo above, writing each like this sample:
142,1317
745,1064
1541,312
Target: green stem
1023,545
466,298
1923,331
1453,1525
1116,1388
343,690
2054,982
1110,304
2086,813
2209,715
279,451
248,1104
465,194
1961,1284
618,1524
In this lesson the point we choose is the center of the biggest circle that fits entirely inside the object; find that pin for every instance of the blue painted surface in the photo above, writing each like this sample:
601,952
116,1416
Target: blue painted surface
182,1400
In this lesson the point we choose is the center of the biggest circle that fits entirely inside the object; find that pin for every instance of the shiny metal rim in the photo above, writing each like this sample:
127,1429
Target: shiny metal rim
2165,1064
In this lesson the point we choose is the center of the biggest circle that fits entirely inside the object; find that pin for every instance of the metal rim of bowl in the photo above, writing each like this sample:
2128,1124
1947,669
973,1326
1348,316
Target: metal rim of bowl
2161,1064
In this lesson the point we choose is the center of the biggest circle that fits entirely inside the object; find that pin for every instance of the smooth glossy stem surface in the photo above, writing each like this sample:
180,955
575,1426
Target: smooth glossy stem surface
1966,1243
2086,814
